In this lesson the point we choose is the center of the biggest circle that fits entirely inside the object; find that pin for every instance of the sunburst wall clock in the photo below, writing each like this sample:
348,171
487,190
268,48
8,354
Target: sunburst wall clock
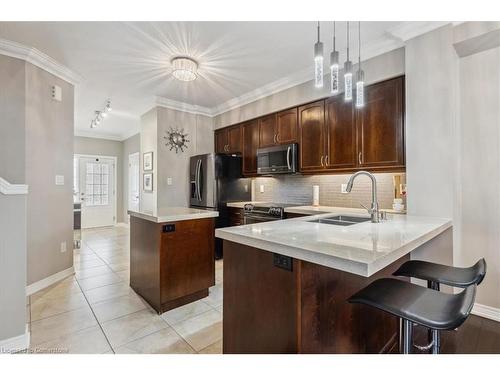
176,139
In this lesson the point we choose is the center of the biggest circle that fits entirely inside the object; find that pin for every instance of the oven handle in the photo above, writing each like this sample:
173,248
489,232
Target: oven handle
288,157
260,219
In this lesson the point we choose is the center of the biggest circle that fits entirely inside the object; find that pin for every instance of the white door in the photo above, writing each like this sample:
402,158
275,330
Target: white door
97,191
133,182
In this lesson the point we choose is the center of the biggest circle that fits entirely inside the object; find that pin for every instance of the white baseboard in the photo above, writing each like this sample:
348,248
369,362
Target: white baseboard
487,312
16,344
123,225
48,281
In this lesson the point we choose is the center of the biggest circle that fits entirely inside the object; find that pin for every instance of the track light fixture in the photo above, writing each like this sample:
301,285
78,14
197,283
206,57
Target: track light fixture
100,115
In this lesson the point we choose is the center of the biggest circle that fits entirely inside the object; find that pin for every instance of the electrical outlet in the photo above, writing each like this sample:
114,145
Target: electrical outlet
246,188
261,188
169,181
56,93
343,188
63,247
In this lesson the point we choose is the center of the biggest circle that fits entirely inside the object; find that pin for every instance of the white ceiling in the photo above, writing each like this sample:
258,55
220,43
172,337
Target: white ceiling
129,62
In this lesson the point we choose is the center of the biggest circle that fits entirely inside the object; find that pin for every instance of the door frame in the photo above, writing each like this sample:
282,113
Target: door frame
115,161
128,178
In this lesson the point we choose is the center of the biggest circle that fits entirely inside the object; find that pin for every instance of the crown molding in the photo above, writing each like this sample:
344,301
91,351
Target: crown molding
181,106
39,59
6,188
411,30
92,134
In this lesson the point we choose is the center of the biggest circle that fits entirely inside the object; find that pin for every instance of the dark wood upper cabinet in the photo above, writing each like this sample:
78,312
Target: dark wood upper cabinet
221,141
250,145
267,131
341,128
234,139
286,126
380,126
312,136
228,140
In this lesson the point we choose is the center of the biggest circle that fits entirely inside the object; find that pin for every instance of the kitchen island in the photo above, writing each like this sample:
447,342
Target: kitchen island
172,256
286,283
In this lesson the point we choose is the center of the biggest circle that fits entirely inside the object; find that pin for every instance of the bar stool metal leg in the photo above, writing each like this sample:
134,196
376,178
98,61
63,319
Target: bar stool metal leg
436,340
433,335
407,336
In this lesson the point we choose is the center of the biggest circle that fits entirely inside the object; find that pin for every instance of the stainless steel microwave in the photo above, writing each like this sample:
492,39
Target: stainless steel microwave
277,159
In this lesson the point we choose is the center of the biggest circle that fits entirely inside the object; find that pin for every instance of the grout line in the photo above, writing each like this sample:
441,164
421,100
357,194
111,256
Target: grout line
95,316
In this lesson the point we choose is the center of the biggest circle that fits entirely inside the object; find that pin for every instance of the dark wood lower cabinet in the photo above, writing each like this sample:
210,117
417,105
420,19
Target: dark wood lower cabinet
171,267
235,216
303,310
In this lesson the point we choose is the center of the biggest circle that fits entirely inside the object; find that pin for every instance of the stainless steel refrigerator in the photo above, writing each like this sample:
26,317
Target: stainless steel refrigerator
215,180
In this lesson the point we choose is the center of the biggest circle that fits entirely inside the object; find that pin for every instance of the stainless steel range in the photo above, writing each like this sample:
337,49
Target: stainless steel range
261,212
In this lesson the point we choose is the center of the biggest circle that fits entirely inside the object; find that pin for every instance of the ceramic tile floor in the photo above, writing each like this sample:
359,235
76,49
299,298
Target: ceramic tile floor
95,311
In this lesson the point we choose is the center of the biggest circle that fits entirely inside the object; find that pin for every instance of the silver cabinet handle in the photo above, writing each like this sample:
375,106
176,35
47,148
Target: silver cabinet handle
359,158
288,158
277,137
274,139
322,160
326,161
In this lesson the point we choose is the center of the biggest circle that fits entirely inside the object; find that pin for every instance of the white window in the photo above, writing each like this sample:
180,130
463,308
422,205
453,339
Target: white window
97,184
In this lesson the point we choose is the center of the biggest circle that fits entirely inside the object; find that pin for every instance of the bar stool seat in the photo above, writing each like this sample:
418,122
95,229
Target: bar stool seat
441,274
426,307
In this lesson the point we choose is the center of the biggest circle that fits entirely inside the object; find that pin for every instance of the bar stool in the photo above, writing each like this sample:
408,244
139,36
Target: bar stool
436,274
416,304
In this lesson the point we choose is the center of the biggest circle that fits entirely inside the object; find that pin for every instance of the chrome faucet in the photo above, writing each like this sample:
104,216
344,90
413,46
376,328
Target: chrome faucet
373,210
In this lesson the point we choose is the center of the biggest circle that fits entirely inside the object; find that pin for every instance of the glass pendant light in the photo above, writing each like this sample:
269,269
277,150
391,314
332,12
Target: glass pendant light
360,84
334,67
348,73
318,62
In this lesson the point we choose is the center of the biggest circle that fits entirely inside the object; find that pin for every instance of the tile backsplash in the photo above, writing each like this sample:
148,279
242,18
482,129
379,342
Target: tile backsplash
299,189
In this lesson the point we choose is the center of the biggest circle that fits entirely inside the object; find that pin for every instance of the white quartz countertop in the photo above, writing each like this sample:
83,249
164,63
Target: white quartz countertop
175,214
363,248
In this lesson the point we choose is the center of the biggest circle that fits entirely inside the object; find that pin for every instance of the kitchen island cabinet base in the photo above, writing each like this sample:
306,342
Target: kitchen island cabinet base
298,307
171,263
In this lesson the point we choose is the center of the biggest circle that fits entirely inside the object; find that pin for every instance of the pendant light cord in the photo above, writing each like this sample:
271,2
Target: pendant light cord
333,36
318,31
359,44
347,40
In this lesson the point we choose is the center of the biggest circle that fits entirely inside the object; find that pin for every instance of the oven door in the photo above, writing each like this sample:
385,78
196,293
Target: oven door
277,159
253,219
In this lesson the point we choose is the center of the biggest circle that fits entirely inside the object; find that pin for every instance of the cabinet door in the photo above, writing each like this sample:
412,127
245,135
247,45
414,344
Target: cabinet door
250,145
234,139
312,136
381,126
220,141
286,126
341,126
267,131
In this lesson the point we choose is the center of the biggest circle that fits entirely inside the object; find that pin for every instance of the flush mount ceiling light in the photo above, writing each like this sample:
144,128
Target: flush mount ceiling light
184,69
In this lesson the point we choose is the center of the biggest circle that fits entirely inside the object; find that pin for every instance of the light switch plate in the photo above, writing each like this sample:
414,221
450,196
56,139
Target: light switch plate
262,188
169,181
63,247
56,93
59,179
343,188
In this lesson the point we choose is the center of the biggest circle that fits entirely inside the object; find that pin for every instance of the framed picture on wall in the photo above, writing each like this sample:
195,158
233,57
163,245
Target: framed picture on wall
147,161
148,181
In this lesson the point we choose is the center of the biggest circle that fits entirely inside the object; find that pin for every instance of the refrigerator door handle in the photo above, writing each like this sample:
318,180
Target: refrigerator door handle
198,182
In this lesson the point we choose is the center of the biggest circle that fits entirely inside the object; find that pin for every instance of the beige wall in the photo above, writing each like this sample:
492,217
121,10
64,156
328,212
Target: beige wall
149,143
176,165
12,207
452,143
12,119
479,179
130,146
379,68
49,152
105,147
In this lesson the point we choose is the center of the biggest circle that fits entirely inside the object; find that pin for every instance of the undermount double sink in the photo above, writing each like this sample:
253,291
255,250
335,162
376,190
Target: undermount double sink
343,220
